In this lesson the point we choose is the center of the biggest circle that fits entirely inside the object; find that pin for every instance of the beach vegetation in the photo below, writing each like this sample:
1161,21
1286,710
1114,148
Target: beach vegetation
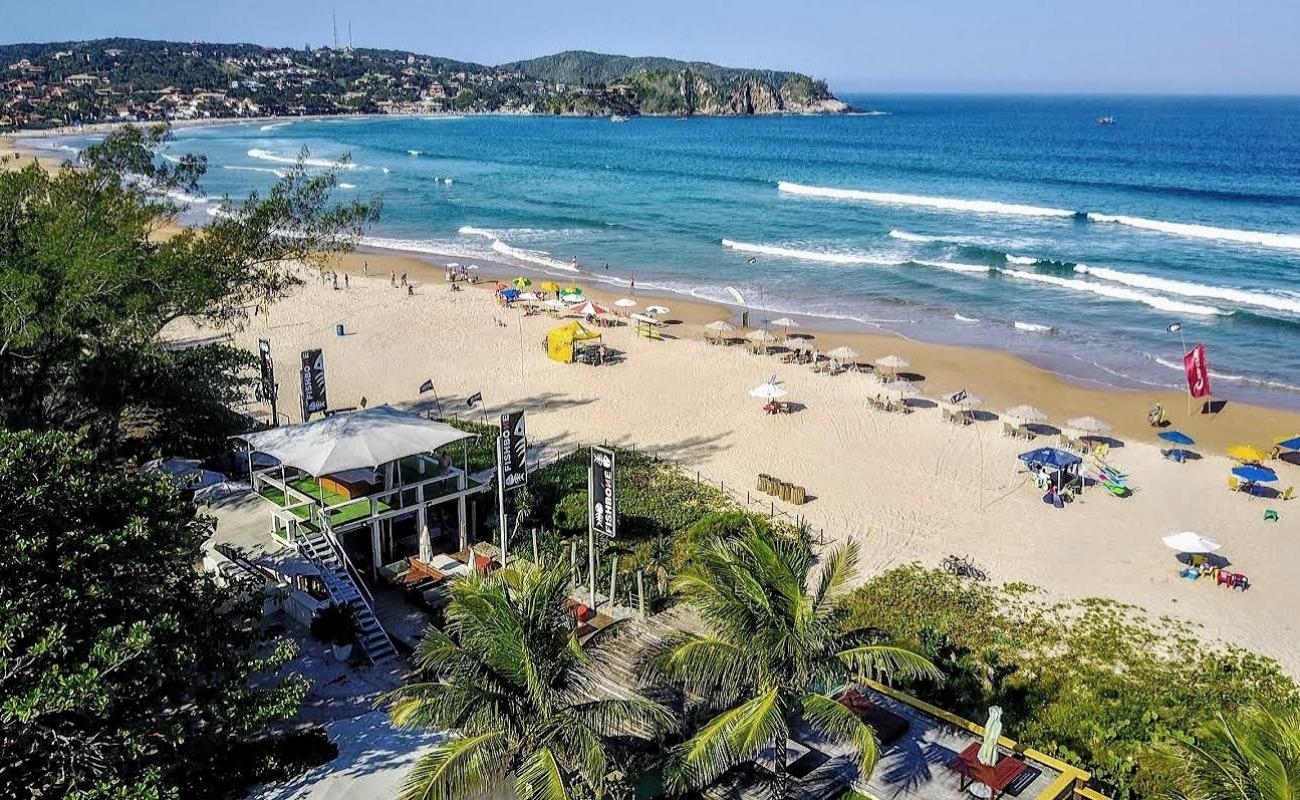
1254,755
779,644
1092,682
89,282
507,678
123,671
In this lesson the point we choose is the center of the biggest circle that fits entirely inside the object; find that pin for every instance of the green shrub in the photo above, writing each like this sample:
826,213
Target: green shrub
571,512
1092,682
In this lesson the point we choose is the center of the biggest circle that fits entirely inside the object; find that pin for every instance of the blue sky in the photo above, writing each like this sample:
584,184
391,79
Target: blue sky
1209,46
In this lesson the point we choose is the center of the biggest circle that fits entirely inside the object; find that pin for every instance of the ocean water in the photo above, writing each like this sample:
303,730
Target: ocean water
1011,222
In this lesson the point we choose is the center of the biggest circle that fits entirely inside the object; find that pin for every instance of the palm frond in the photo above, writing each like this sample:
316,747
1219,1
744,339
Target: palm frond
838,569
704,665
885,661
540,778
457,769
837,722
731,737
623,716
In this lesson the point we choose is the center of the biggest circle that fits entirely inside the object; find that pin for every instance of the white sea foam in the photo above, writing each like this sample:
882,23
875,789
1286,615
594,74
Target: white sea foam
1290,241
823,256
171,158
443,118
447,181
951,266
274,126
1189,289
539,257
1024,261
266,155
414,152
1032,327
961,318
912,237
347,185
188,199
279,173
941,203
1118,293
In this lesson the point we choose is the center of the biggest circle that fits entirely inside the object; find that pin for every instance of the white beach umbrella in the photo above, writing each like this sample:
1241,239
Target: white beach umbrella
768,391
720,326
901,388
1088,425
988,753
553,303
784,322
799,343
843,353
625,302
892,362
527,297
1025,413
1190,542
657,309
760,336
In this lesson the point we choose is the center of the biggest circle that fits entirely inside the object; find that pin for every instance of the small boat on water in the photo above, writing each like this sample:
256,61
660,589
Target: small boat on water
1105,120
617,118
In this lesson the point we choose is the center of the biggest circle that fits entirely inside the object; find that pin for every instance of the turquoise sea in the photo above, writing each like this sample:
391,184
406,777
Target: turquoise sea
1012,222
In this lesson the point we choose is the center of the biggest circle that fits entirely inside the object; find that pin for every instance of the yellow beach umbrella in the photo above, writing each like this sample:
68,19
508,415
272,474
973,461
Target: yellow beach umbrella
1247,452
521,282
550,286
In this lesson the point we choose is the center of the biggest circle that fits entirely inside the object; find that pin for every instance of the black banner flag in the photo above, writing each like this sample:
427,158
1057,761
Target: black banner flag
600,506
514,451
313,383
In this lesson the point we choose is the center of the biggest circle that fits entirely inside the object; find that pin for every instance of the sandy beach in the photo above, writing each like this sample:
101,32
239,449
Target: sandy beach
909,488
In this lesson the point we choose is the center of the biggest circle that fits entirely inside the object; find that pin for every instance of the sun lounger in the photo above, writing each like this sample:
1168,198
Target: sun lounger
1234,484
1287,494
1008,430
889,727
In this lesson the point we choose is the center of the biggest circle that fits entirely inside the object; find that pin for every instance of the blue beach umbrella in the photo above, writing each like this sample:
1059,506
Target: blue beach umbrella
1255,474
1290,444
1177,437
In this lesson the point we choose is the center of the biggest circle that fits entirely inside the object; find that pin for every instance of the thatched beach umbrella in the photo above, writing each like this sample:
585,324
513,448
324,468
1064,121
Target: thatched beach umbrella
1025,413
892,362
720,326
1088,425
843,353
903,389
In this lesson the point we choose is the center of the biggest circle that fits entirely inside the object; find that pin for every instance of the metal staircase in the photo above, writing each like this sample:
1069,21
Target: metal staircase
344,590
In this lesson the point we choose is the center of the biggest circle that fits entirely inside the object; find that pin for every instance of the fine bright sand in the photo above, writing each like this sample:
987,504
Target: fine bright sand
908,488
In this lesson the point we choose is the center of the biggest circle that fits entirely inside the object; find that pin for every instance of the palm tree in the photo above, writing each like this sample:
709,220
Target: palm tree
505,679
1253,756
778,645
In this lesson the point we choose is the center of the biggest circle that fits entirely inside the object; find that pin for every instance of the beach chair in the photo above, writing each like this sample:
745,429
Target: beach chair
1234,484
1287,494
1008,430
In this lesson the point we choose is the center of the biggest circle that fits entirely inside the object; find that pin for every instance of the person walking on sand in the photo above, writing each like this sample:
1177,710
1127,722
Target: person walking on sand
410,290
345,280
336,281
404,283
392,279
365,268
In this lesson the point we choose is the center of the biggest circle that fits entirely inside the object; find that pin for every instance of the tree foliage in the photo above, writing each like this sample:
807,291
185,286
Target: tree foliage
507,678
1254,756
87,285
123,671
778,645
1131,686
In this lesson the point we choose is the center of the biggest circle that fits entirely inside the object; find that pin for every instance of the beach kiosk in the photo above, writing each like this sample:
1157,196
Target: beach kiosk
345,490
561,342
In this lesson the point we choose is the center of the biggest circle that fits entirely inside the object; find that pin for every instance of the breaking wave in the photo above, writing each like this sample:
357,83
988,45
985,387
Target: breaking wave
823,256
538,257
279,173
1032,327
1289,241
266,155
1118,293
1189,289
941,203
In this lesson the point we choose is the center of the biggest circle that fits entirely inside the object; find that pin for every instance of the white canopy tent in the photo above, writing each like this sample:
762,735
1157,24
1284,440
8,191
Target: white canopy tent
366,438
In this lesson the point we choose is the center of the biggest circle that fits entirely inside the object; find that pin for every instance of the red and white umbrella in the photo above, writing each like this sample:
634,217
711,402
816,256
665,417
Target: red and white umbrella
587,308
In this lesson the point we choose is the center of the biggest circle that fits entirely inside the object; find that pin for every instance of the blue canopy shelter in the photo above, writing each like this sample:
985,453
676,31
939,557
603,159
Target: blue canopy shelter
1059,467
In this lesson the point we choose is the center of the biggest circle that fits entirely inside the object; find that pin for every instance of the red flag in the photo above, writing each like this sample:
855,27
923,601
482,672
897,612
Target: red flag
1198,371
